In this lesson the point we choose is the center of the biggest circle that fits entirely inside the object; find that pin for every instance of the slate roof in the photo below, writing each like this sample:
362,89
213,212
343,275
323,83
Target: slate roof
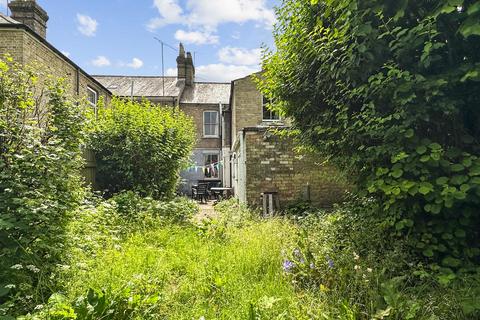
143,86
207,93
7,20
152,86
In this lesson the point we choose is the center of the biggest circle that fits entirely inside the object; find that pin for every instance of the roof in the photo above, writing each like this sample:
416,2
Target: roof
207,93
143,86
7,20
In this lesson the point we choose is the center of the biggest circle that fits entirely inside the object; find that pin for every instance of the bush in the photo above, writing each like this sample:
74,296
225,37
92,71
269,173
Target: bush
388,90
41,132
141,147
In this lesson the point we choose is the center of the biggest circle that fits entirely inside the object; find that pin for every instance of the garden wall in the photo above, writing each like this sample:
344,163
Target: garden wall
273,165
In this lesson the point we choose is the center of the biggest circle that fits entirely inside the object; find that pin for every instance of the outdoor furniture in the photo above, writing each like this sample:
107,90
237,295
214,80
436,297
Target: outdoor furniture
200,192
221,192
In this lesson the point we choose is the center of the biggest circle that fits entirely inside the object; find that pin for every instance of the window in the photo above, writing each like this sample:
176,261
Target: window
269,115
92,98
210,124
211,166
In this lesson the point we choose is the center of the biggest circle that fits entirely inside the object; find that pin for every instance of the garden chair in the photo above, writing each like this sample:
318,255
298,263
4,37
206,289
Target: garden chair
200,193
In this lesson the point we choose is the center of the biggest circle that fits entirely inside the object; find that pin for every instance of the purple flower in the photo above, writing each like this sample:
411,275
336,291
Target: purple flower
330,263
312,265
288,265
297,254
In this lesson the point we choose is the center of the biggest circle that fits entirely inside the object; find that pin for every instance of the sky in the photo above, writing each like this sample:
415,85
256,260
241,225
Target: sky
117,37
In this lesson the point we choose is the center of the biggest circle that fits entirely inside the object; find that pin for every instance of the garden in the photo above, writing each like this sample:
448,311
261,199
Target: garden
385,90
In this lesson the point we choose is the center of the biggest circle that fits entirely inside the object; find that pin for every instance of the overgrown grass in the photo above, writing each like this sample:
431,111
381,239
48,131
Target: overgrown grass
134,258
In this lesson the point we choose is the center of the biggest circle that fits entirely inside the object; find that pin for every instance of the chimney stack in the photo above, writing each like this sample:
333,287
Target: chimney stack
185,67
30,14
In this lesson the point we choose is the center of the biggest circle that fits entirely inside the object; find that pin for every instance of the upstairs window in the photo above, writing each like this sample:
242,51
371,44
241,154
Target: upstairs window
210,124
269,115
92,98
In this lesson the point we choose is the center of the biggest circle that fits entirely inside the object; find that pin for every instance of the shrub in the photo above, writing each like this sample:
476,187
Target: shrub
141,147
388,90
41,132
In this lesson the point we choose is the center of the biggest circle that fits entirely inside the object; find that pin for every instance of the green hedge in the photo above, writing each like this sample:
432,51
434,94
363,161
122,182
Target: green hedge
388,90
141,147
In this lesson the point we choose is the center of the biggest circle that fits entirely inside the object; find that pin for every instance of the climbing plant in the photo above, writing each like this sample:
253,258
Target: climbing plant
389,92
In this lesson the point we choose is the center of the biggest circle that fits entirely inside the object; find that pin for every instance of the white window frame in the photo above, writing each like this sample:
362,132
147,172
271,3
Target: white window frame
93,105
217,125
264,105
205,155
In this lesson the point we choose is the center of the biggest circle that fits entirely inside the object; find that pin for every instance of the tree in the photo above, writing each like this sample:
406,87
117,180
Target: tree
388,90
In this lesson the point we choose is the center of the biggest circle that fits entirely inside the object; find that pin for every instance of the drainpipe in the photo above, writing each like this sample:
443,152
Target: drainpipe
77,89
220,128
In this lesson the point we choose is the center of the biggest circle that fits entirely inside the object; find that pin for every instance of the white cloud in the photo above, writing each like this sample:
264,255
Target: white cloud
240,56
218,72
135,64
208,14
170,12
196,37
86,25
66,54
101,61
222,72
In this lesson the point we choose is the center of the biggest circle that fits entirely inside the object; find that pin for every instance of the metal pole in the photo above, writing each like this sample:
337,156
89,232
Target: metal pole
163,73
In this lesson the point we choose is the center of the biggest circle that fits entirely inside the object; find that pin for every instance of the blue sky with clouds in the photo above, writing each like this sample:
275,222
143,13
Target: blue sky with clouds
117,36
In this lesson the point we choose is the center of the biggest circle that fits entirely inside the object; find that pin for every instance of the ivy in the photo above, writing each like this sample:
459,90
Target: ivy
388,90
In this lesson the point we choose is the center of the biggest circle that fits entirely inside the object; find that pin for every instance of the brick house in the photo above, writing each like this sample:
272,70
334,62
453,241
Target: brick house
235,146
206,102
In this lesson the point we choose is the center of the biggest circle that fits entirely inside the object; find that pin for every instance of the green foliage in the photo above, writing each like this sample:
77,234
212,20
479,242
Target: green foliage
41,131
388,91
141,147
346,258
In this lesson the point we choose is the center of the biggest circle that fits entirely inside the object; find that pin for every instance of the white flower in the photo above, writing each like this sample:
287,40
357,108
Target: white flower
357,267
17,267
39,307
33,268
356,256
10,286
202,318
369,270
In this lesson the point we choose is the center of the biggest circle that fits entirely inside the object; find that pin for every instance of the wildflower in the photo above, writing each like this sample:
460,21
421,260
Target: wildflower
288,265
10,286
33,268
17,267
202,318
39,307
356,256
312,265
357,267
297,253
330,263
369,270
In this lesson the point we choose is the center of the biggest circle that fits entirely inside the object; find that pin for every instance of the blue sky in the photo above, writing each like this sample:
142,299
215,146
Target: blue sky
117,36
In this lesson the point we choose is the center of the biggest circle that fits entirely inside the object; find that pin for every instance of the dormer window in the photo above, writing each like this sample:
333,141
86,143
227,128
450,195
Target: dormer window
269,115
